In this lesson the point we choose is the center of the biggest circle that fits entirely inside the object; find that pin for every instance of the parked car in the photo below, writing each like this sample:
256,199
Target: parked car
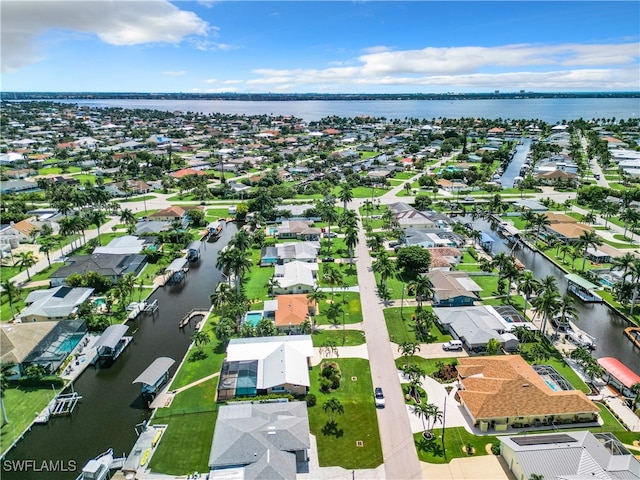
330,235
328,259
379,397
452,345
596,176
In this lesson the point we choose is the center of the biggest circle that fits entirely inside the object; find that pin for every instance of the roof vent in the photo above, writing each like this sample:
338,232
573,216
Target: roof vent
525,384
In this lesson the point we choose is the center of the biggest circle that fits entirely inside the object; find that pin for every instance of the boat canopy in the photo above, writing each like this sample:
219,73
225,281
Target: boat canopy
195,245
581,282
177,264
111,336
624,374
155,371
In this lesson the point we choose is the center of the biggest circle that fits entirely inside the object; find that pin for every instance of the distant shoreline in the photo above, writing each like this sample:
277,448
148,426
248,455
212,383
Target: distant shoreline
283,97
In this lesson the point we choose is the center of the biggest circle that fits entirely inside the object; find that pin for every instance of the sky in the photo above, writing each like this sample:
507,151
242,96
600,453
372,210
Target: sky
321,47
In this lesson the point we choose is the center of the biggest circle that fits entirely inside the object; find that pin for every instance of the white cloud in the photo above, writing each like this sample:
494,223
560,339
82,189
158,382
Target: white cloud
171,73
208,45
127,23
566,66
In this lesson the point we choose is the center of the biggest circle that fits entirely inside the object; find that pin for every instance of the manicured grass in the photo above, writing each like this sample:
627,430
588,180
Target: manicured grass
137,199
625,309
22,404
352,308
427,364
86,177
256,281
363,192
395,286
343,338
213,214
455,441
185,445
401,331
192,370
489,284
349,275
557,362
359,421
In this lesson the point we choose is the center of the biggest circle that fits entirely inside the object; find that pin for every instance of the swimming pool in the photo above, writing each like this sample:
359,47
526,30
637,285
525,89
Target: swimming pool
252,318
99,302
552,385
68,344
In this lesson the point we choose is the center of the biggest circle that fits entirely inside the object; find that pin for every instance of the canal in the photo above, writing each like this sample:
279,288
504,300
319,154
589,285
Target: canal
594,318
513,169
111,406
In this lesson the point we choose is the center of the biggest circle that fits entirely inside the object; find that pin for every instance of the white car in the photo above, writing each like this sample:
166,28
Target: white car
379,396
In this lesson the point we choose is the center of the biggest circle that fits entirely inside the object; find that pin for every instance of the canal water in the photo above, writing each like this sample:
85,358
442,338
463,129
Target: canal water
111,406
594,318
513,169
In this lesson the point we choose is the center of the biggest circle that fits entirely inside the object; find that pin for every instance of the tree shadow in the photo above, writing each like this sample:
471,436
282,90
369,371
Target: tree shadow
431,446
331,428
197,355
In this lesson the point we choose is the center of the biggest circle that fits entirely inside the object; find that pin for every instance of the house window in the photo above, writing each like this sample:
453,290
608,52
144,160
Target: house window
278,389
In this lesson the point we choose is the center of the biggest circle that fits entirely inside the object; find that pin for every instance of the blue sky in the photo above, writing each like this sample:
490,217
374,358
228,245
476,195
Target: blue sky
327,47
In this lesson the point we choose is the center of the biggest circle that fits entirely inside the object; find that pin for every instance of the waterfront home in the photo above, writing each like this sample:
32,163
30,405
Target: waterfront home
265,365
53,304
567,232
295,277
125,245
426,238
415,219
577,454
47,344
112,266
170,214
20,232
292,311
128,187
289,252
554,217
501,392
255,441
298,229
453,289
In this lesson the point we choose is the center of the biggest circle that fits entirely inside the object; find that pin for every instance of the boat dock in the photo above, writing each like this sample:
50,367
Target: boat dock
135,309
634,335
583,289
196,312
64,404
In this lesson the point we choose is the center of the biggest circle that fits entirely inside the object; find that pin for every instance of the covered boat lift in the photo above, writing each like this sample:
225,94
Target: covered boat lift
193,250
582,288
176,271
154,377
112,342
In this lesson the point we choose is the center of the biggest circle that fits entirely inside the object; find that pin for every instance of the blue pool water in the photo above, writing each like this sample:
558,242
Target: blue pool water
252,318
552,386
99,302
69,344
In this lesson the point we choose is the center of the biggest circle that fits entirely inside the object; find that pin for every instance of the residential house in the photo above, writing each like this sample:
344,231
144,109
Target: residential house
451,187
570,454
443,258
415,219
125,245
289,252
170,214
295,277
475,326
567,232
57,303
128,187
20,232
112,266
254,441
426,238
292,311
264,365
298,229
556,177
453,289
501,392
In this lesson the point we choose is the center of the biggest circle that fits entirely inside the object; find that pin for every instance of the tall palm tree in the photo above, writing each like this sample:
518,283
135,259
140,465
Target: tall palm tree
26,260
408,349
527,286
628,216
127,216
547,304
234,260
540,220
332,276
384,267
566,309
587,240
46,246
241,240
345,194
528,216
421,288
634,271
623,263
351,240
314,297
12,291
220,297
97,218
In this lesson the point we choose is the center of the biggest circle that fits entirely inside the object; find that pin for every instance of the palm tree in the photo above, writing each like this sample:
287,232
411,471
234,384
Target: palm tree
97,218
234,260
314,297
540,220
333,407
345,194
46,246
421,288
628,216
351,240
220,297
26,260
528,216
7,370
333,277
408,349
547,304
200,338
272,284
223,329
566,309
635,277
623,263
241,240
587,240
527,286
375,241
127,217
12,291
384,267
414,374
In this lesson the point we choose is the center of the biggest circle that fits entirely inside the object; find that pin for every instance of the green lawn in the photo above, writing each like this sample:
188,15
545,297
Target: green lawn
455,441
137,199
352,309
359,422
349,275
404,175
346,338
256,281
401,331
22,404
557,362
489,284
427,364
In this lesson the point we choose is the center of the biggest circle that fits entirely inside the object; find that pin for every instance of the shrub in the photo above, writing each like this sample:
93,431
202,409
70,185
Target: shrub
311,400
495,448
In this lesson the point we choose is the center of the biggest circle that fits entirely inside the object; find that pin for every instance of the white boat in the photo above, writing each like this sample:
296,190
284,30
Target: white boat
97,468
580,338
135,309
